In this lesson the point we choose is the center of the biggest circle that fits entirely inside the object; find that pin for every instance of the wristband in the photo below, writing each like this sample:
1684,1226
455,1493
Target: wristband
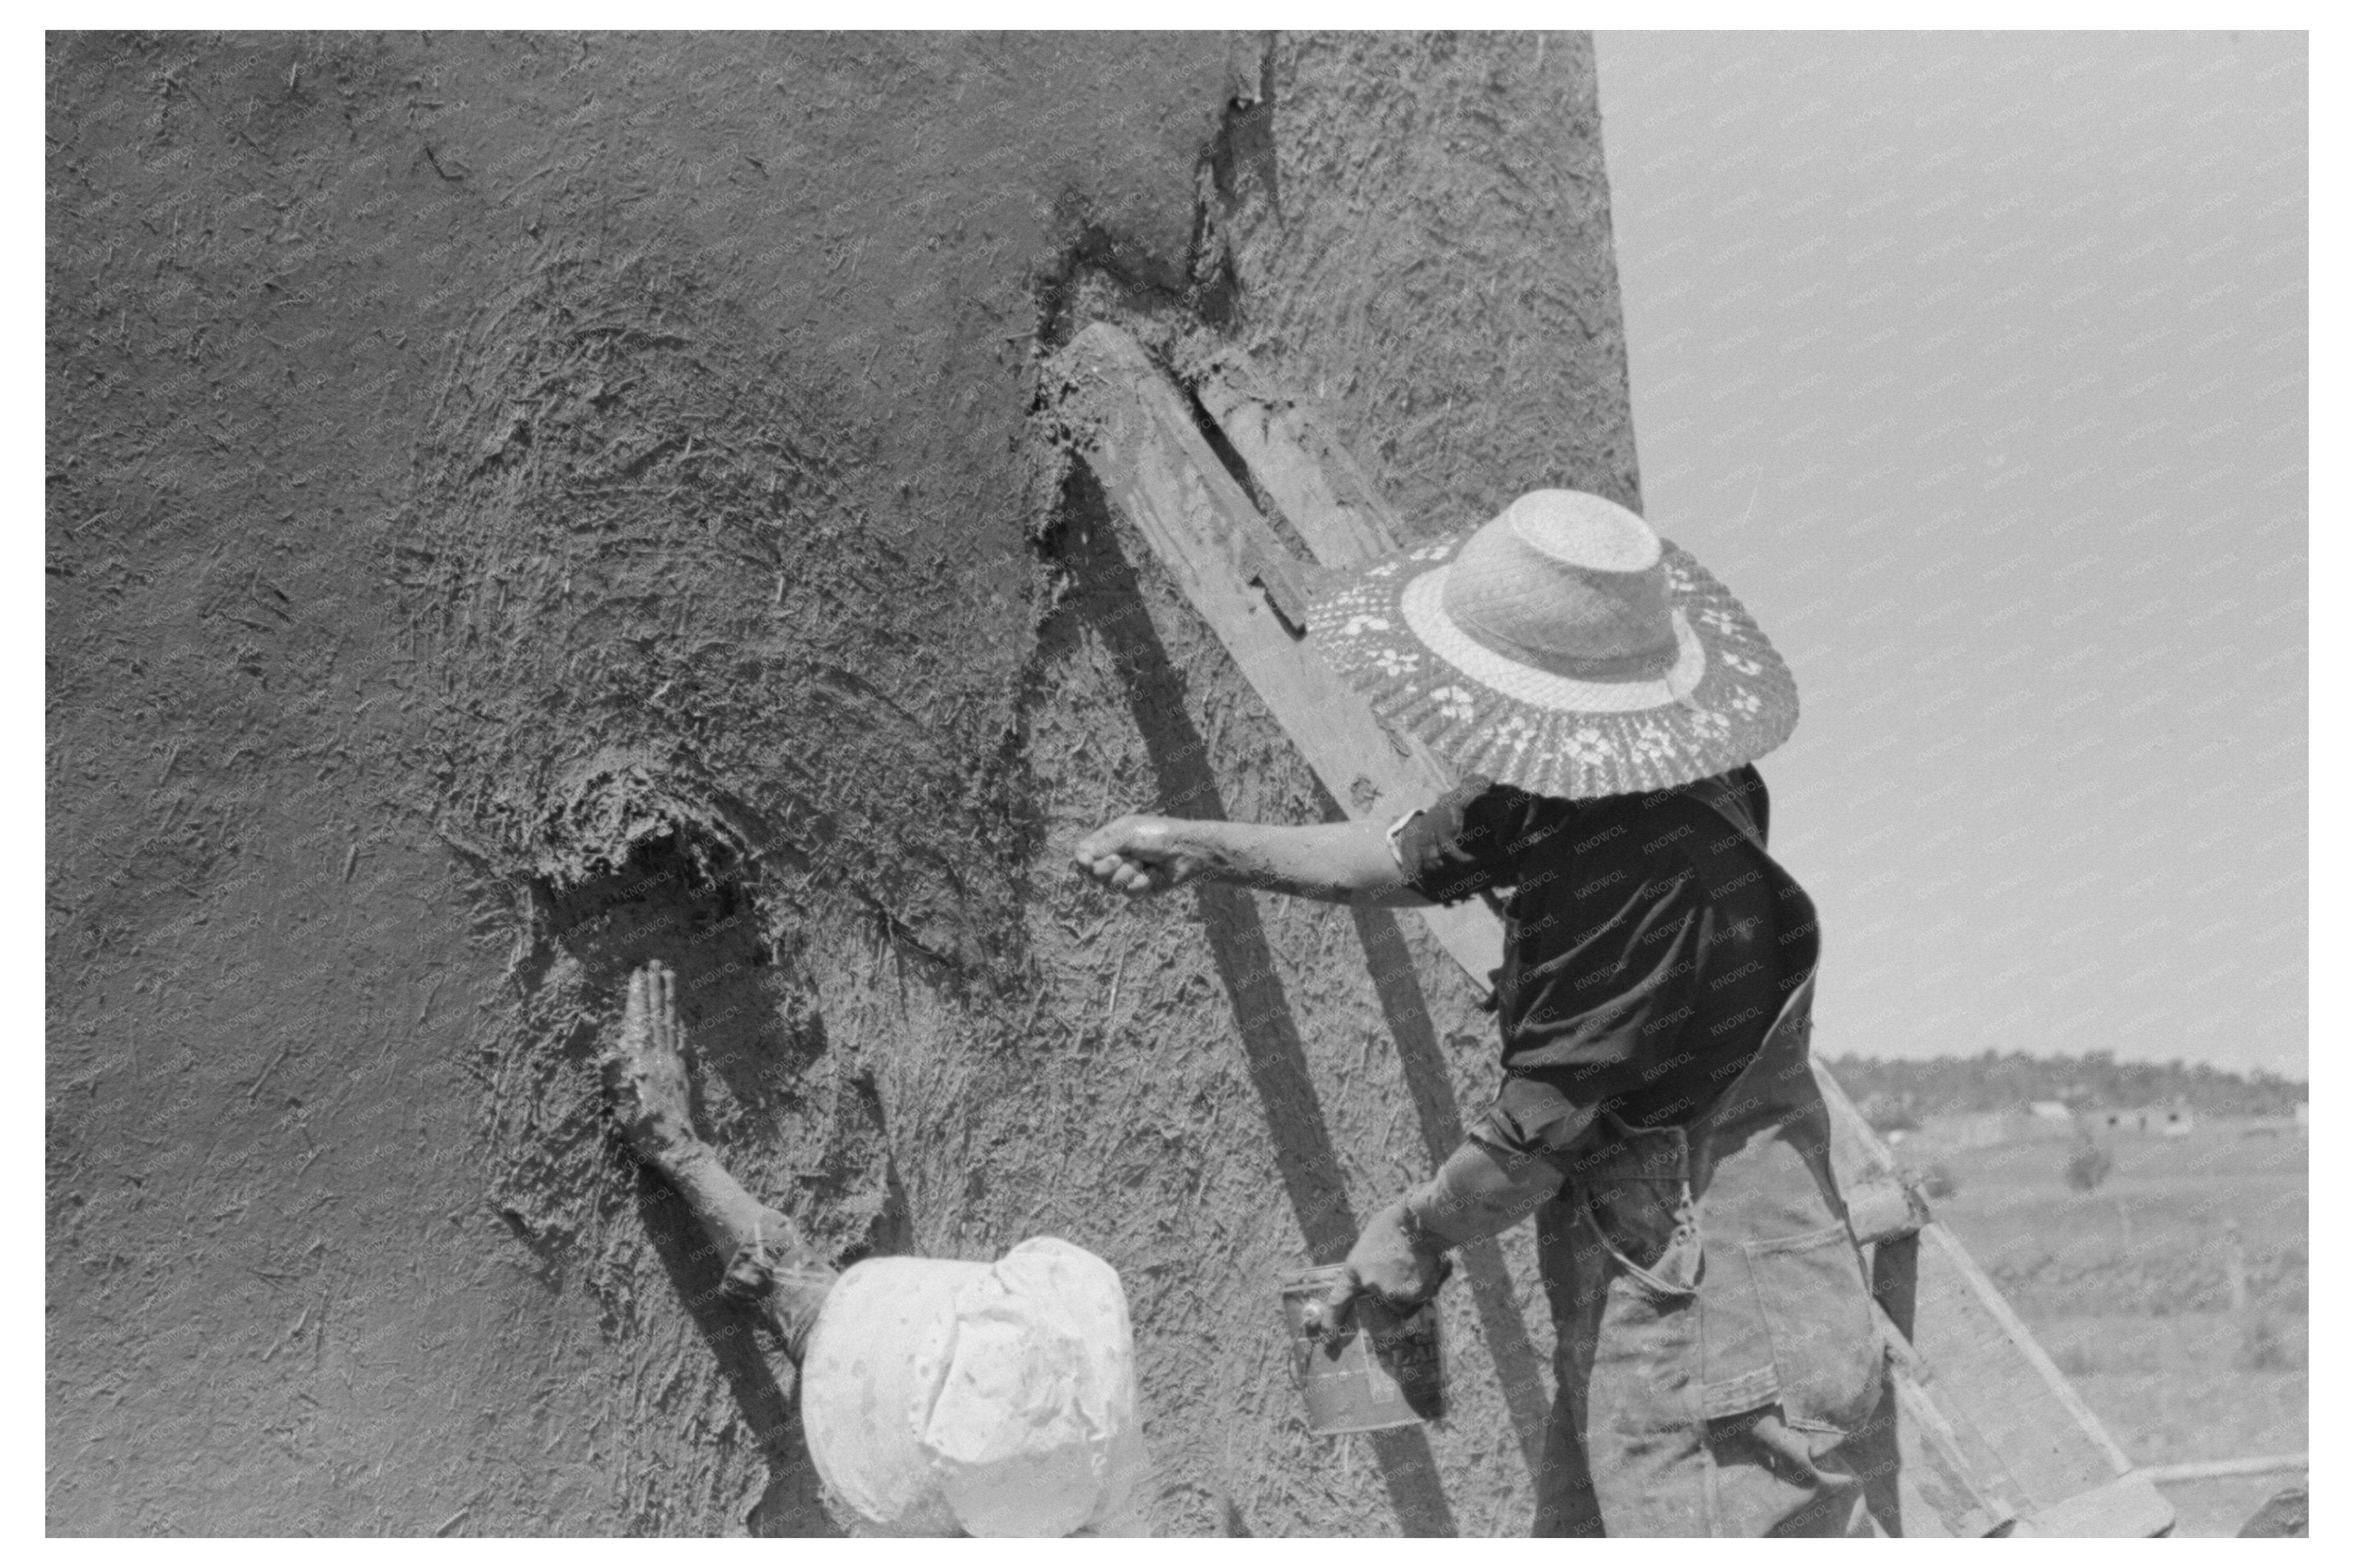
1418,1230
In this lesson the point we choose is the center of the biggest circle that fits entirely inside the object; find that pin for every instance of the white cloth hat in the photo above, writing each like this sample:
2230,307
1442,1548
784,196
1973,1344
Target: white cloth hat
942,1398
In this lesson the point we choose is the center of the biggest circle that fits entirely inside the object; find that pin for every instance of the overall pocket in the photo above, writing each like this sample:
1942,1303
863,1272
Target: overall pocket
1789,1323
1663,1256
1633,1197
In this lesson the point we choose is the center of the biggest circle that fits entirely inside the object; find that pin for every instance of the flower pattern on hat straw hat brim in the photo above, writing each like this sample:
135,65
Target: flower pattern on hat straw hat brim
1729,699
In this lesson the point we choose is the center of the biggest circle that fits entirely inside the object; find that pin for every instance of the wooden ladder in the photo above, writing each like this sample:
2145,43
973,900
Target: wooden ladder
1990,1437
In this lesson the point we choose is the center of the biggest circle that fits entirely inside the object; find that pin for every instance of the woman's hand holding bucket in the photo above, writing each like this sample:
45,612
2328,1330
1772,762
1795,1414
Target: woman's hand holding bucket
1395,1261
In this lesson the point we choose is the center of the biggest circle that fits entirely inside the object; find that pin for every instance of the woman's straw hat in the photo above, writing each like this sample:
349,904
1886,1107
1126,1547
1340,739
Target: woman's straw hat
1564,647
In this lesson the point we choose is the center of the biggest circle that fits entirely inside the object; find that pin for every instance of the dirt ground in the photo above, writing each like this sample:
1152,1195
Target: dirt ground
521,505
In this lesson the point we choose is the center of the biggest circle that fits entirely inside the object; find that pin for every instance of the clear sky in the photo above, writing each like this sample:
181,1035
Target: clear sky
1976,364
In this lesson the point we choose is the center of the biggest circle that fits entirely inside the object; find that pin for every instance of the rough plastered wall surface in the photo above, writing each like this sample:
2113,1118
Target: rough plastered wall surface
521,505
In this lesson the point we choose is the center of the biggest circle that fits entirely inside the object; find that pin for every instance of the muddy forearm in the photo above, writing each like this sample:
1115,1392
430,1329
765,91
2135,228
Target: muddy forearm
1481,1191
1339,863
767,1262
730,1216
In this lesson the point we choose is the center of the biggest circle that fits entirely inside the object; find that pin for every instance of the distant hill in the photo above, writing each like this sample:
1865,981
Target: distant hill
1940,1085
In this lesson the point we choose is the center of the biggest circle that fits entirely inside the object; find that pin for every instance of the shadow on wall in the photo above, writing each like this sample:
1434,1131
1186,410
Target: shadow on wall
1432,1089
1105,595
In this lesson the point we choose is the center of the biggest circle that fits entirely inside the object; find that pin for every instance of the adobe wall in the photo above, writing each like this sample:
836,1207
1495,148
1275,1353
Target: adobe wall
519,505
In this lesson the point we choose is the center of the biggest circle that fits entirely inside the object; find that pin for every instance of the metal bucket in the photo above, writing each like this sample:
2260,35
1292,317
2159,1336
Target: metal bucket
1380,1370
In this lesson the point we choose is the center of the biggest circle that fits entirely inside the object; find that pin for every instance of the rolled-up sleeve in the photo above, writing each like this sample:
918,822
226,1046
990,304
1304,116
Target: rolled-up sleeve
1463,844
1531,1116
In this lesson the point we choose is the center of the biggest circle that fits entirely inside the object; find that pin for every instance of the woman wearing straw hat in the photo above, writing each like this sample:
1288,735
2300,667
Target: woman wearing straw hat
1604,697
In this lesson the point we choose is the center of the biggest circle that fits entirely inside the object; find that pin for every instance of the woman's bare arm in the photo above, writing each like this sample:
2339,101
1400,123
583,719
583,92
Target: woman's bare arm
1481,1192
1400,1256
1339,863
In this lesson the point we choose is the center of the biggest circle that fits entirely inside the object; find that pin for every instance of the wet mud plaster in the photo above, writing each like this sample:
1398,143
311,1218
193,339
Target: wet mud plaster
518,505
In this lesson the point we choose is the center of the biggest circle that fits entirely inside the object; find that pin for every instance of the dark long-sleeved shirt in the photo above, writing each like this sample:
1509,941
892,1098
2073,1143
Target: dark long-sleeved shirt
1641,970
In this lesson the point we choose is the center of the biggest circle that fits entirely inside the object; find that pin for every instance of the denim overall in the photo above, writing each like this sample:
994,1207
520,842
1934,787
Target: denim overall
1716,1343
